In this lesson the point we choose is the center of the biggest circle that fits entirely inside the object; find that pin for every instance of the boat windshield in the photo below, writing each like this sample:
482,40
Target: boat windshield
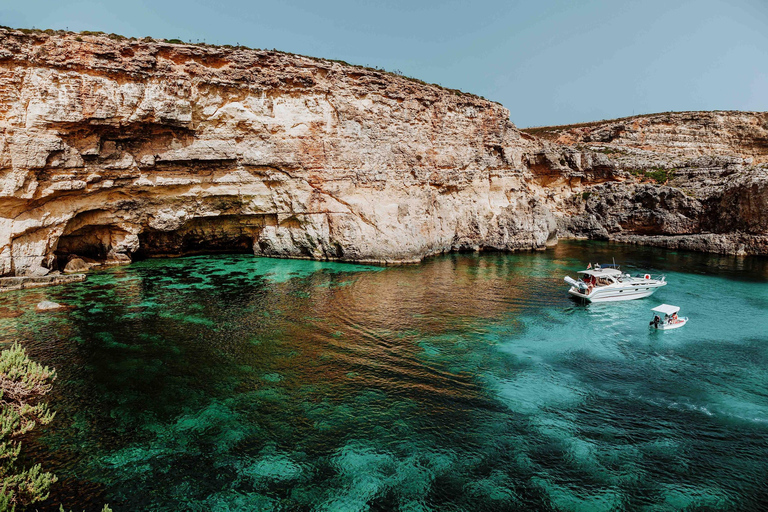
593,280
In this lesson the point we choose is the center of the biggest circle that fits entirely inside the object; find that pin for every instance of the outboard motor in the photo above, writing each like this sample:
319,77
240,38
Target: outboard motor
581,285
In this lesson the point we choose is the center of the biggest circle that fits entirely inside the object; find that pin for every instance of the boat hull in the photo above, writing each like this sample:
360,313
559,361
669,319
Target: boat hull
666,327
613,294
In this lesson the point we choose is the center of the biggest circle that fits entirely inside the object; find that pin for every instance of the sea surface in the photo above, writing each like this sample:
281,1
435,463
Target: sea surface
468,382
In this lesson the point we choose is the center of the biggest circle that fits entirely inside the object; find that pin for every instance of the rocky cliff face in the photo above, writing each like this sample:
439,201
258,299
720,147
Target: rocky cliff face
116,149
674,138
690,180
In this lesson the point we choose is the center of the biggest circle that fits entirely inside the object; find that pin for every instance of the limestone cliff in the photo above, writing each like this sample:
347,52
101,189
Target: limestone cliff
115,149
691,180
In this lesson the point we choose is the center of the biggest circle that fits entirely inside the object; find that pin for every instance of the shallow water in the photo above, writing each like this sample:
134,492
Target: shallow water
469,382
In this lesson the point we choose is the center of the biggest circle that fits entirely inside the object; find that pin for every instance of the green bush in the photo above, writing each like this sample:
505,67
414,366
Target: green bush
22,384
105,509
658,174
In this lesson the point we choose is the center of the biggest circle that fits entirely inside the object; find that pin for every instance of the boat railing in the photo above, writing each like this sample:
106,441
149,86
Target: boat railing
656,277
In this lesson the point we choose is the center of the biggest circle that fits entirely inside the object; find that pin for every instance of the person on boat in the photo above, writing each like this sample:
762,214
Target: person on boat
674,317
655,321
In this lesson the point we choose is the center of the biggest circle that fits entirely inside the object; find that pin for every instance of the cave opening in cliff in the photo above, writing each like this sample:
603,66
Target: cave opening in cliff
88,242
233,234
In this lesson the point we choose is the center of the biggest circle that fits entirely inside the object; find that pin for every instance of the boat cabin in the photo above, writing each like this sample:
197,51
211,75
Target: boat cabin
670,316
600,276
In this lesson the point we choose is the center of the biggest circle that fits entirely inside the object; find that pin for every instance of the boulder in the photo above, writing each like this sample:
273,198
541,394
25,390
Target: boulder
77,264
36,271
48,305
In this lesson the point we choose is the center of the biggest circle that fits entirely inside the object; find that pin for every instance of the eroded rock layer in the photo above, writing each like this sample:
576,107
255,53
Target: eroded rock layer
688,180
116,149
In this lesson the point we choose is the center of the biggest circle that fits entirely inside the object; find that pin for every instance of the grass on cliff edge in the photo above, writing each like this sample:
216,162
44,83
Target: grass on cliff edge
658,174
149,39
542,131
552,132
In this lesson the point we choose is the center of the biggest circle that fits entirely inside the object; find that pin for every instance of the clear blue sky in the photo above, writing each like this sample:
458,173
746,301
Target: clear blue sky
548,62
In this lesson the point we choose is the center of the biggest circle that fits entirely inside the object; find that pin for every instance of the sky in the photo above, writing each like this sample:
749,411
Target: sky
549,62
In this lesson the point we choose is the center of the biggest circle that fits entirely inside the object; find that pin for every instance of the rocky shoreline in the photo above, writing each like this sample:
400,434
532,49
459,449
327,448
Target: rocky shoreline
692,180
737,244
8,284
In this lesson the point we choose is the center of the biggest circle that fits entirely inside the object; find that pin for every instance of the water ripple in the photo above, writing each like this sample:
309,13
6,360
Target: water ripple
470,382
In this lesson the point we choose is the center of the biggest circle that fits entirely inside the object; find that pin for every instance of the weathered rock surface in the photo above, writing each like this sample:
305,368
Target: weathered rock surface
687,180
674,137
77,264
117,149
47,305
24,282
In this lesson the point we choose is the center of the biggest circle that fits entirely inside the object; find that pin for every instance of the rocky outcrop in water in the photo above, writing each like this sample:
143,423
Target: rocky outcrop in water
8,284
688,180
114,149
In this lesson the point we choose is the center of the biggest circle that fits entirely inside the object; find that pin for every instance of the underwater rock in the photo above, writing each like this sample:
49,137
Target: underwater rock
48,305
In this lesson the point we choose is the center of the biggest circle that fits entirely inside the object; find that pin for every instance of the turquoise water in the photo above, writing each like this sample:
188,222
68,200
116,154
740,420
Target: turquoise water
469,382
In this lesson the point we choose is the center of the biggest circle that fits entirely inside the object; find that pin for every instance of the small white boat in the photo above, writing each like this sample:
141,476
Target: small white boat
608,283
670,320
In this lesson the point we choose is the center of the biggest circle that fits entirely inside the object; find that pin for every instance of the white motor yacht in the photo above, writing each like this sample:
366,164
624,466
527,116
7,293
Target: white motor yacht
608,283
670,320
